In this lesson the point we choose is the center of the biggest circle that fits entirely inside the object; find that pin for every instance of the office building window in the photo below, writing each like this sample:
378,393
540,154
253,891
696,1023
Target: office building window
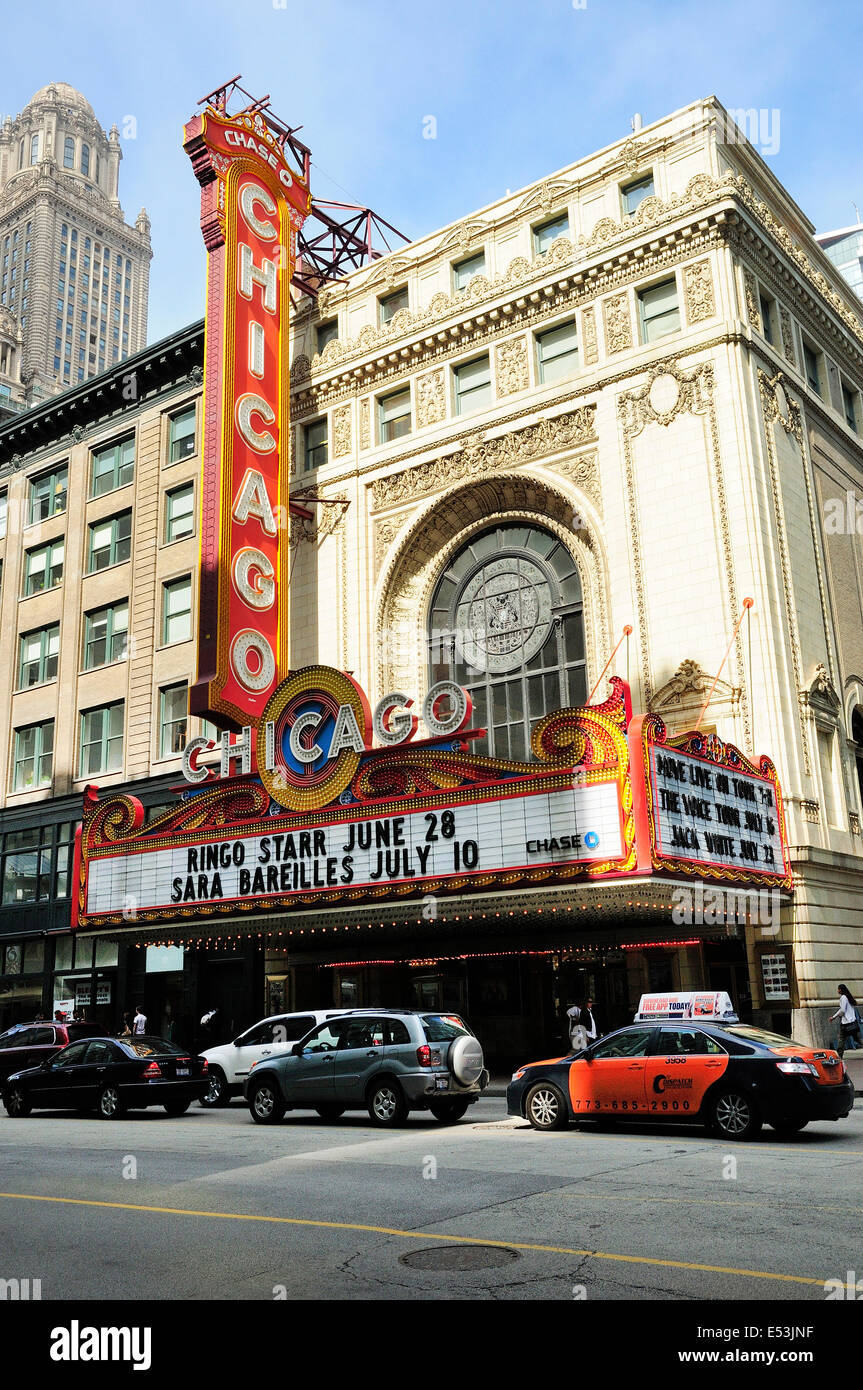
548,232
85,159
110,542
173,719
34,149
326,333
106,635
767,318
48,494
180,513
849,406
394,415
557,352
390,304
68,153
102,739
632,194
182,434
658,310
37,865
43,567
4,513
472,385
38,653
464,271
33,762
177,611
113,466
315,435
810,364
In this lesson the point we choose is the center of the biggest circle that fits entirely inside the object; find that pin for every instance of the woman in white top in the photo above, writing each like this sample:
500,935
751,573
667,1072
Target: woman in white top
849,1028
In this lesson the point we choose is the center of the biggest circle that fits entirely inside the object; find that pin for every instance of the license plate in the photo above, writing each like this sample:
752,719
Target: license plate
441,1083
182,1071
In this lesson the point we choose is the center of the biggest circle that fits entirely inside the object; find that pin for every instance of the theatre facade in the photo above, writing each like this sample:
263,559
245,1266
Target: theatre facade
530,743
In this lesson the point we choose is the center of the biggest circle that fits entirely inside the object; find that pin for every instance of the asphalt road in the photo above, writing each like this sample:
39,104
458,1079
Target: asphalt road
212,1206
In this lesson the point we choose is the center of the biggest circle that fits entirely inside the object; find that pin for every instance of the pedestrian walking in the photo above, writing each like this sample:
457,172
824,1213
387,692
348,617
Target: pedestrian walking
577,1028
589,1021
849,1026
139,1022
126,1026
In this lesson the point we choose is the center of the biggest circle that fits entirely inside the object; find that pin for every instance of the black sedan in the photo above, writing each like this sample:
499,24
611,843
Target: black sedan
731,1077
111,1076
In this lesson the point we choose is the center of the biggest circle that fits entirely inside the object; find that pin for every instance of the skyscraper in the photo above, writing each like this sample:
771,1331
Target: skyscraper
845,249
73,273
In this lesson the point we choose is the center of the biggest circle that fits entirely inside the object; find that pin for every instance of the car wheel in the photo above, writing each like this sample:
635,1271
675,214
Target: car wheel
387,1105
733,1116
177,1107
330,1112
448,1111
17,1103
265,1104
111,1105
788,1126
217,1093
545,1107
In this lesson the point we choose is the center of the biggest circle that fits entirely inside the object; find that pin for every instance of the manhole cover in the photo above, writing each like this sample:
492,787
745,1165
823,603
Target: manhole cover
463,1257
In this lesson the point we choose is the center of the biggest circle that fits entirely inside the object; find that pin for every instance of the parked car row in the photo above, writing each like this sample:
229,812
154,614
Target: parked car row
701,1066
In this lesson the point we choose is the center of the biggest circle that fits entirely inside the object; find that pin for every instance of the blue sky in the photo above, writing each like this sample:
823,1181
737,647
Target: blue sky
518,88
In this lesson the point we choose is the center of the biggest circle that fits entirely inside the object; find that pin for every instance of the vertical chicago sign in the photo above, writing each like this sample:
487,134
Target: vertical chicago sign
253,204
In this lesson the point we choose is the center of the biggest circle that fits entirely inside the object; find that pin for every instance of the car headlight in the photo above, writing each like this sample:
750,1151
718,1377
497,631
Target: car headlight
517,1075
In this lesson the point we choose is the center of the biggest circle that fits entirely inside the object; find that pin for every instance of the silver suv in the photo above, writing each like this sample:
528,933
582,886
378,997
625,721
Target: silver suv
388,1061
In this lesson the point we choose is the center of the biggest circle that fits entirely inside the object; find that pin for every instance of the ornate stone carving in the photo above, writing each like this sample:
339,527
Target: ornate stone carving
479,456
385,533
618,329
687,690
551,193
854,822
698,291
753,308
668,391
300,369
821,696
328,514
342,430
365,425
583,471
431,398
512,372
787,335
778,406
389,271
591,350
461,237
811,811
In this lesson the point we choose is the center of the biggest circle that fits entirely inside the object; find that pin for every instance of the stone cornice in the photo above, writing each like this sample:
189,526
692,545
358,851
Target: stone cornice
655,222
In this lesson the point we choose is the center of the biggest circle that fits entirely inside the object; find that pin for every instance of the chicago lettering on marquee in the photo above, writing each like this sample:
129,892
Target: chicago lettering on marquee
252,206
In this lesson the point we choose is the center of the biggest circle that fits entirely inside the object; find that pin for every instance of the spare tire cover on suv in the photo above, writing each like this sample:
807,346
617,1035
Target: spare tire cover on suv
465,1060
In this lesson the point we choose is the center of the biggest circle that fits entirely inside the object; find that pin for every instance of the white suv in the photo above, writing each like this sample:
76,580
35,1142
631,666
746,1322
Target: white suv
230,1064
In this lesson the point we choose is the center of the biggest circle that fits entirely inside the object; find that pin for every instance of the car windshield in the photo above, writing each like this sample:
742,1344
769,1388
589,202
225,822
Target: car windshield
443,1027
9,1034
750,1034
151,1047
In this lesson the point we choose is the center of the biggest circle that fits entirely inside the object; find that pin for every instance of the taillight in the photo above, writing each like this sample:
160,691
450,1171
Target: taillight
424,1055
204,1067
797,1068
152,1071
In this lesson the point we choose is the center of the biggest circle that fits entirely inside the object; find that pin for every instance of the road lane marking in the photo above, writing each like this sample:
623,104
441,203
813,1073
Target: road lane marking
426,1235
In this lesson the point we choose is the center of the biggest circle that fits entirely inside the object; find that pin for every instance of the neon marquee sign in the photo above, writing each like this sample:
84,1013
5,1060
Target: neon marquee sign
252,206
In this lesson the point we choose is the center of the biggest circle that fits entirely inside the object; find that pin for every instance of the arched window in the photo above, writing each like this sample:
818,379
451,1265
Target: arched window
857,736
85,159
34,149
69,153
506,622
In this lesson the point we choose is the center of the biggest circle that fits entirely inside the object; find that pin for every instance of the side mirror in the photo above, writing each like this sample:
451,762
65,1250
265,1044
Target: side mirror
297,1050
238,1042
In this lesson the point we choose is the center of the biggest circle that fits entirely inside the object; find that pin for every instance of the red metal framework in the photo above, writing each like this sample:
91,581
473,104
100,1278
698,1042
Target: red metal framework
337,237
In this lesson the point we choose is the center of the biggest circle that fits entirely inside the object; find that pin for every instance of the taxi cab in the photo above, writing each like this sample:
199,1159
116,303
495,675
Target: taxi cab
676,1065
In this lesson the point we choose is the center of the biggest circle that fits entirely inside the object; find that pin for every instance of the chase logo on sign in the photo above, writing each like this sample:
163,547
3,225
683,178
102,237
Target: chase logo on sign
591,839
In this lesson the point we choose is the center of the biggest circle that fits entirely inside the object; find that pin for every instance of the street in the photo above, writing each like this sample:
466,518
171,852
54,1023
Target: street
212,1206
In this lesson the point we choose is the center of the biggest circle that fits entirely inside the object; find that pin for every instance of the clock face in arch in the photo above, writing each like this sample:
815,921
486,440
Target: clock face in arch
503,614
